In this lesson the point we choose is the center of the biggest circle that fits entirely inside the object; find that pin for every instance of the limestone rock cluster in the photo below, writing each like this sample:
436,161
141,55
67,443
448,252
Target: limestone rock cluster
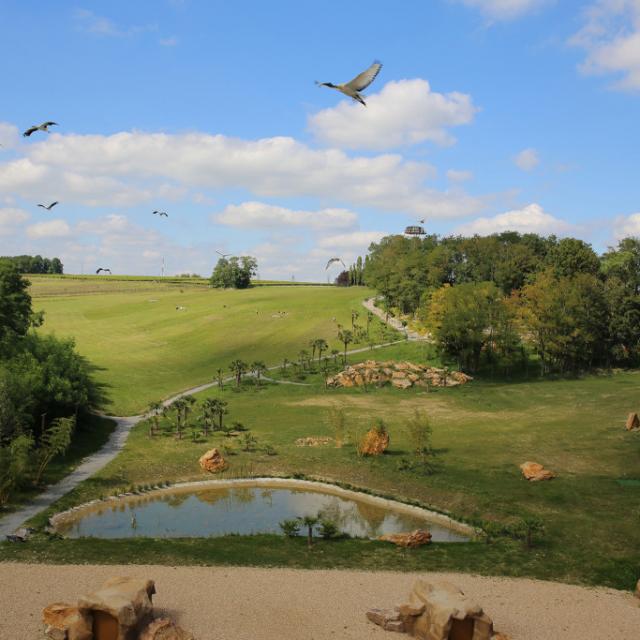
212,461
437,610
314,441
534,472
633,422
121,609
410,540
401,375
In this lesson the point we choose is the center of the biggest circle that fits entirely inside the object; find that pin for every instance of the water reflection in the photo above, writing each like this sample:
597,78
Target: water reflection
243,510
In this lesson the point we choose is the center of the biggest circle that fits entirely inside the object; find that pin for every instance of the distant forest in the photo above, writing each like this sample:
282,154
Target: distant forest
494,300
35,264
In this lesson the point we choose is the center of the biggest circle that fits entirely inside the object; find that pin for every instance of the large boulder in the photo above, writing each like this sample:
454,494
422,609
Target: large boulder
374,443
165,629
65,622
120,608
212,461
413,539
633,422
534,472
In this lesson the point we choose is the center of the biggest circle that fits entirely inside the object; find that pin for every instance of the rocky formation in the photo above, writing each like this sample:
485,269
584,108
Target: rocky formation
374,443
534,472
63,621
401,375
313,441
633,422
120,608
416,538
212,461
437,610
165,629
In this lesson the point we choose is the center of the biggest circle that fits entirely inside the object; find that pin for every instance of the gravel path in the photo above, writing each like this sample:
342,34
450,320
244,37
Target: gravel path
369,304
285,604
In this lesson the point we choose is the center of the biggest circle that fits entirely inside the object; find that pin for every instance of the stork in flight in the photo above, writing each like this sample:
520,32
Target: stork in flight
334,260
48,207
358,84
99,269
224,255
40,127
161,213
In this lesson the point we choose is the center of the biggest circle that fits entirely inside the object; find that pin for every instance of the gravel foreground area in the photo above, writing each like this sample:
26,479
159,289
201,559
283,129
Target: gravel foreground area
228,603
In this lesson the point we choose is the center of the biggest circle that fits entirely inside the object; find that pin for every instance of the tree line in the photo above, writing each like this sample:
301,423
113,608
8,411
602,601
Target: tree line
498,299
35,264
46,388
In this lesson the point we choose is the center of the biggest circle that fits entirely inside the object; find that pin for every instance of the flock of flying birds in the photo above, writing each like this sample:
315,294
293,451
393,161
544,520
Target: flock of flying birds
352,89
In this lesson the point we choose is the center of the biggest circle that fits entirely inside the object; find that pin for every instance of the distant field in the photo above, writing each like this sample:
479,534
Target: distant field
146,349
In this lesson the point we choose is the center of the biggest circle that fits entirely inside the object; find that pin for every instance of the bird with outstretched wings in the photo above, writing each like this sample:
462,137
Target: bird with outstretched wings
332,261
161,214
358,84
48,207
100,269
39,127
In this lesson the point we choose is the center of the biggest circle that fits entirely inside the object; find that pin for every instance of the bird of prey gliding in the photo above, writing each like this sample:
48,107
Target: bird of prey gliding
334,260
40,127
161,213
358,84
99,269
48,207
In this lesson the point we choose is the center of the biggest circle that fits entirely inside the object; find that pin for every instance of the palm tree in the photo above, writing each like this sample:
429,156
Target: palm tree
303,357
178,406
309,522
189,401
335,353
312,344
220,378
346,337
354,316
285,362
219,409
208,414
258,368
321,345
238,367
155,409
369,319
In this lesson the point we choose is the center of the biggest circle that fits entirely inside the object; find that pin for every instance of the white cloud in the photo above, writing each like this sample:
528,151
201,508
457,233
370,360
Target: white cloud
352,241
627,226
9,136
11,219
529,219
611,39
169,42
505,9
527,159
89,22
459,176
261,215
405,112
50,229
133,167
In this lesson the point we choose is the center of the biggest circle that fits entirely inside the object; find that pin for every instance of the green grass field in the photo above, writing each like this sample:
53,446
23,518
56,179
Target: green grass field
146,350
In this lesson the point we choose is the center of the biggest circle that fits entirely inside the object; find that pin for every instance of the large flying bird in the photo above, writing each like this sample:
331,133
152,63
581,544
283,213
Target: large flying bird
334,260
161,213
99,269
358,84
224,255
40,127
48,207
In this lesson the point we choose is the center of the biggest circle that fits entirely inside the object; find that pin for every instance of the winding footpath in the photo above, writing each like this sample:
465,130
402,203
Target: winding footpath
396,324
98,460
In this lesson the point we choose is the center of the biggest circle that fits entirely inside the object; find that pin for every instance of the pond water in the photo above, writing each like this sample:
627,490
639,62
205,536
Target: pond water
242,510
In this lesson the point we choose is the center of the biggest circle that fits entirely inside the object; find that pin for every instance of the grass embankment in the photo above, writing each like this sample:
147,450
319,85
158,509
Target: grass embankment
481,432
146,349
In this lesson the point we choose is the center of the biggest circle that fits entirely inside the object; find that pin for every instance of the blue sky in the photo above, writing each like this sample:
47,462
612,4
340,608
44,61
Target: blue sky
487,115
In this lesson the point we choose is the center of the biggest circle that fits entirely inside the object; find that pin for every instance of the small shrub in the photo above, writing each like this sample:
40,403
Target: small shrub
269,450
249,441
527,529
328,529
290,528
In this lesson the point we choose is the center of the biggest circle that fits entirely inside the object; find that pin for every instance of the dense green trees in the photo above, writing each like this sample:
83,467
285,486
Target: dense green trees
234,272
44,386
487,299
35,264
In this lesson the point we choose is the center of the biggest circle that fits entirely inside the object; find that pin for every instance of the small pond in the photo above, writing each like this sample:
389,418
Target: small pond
216,511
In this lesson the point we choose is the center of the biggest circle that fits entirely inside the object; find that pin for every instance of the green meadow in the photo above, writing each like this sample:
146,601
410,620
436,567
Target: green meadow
482,432
146,349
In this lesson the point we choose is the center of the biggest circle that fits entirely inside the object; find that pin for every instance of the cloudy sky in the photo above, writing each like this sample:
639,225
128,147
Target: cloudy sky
487,115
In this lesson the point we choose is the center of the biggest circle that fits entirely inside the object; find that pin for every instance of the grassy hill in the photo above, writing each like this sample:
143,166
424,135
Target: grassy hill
147,349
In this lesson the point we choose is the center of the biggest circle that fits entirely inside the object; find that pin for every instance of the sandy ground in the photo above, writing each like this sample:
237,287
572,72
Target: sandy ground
218,603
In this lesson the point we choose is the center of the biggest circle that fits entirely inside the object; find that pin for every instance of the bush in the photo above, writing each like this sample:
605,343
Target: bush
328,529
290,528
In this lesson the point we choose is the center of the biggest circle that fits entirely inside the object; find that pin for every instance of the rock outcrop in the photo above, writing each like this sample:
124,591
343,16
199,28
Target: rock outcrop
313,441
374,443
437,610
165,629
120,608
212,461
401,375
63,621
413,539
534,472
633,422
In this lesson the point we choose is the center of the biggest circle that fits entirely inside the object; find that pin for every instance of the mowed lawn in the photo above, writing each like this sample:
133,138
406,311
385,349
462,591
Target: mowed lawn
146,349
481,433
